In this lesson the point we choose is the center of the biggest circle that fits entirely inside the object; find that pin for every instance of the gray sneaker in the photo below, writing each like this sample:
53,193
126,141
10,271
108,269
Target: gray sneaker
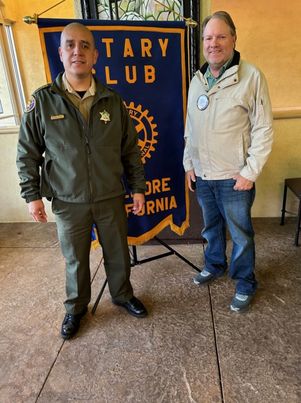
203,277
240,302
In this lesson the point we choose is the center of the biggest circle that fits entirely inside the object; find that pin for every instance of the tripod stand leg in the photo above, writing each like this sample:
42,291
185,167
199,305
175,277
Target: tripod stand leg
99,296
177,254
135,261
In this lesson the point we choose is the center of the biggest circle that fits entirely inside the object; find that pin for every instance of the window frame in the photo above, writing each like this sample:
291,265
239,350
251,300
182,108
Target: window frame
12,73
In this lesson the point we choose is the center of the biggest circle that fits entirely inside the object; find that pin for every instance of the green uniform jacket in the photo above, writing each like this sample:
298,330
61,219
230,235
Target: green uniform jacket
60,155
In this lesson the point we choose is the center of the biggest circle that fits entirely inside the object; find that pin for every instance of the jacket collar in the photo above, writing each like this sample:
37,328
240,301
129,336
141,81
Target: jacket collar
101,91
235,61
68,87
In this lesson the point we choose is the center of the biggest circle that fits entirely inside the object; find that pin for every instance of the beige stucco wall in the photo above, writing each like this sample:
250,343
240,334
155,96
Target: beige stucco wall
268,35
27,37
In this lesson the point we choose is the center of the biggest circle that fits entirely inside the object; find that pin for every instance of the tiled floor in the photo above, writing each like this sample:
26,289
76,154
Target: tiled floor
190,349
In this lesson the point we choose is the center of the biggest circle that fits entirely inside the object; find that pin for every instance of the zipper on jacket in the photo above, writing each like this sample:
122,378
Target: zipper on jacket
85,127
87,144
89,165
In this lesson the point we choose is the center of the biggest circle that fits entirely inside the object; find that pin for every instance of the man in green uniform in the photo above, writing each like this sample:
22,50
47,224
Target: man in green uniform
76,142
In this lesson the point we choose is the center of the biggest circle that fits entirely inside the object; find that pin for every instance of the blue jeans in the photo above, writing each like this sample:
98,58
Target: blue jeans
223,206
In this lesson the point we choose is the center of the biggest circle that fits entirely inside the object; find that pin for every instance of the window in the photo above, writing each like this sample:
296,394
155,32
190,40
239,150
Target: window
139,10
12,101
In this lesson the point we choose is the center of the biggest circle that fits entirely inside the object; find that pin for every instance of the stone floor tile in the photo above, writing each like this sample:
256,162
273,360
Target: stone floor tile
190,348
168,356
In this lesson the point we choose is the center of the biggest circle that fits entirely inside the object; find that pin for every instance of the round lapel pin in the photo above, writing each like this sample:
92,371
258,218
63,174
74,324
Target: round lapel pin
202,102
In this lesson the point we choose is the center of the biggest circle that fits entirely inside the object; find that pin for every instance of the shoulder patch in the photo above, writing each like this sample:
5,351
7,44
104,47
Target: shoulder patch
31,104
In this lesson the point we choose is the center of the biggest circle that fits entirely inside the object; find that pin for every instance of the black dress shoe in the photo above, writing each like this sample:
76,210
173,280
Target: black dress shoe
71,324
134,307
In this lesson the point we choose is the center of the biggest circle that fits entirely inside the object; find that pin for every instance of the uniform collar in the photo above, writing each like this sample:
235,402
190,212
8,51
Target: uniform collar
101,91
68,87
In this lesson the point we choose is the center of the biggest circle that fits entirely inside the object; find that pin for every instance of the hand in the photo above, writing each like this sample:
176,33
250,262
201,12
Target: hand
139,200
190,177
37,210
242,183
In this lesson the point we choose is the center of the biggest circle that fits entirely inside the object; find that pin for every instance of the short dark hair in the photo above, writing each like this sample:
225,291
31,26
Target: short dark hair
222,15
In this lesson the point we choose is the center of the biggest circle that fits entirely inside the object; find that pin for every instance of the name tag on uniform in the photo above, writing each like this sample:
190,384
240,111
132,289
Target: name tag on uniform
57,117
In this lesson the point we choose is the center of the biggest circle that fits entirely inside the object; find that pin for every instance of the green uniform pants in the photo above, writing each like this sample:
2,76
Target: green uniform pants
74,224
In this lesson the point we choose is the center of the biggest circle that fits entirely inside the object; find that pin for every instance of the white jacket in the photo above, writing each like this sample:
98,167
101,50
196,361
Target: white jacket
234,134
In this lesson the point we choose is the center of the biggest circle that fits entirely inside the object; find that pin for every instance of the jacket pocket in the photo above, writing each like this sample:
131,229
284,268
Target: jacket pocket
226,151
228,114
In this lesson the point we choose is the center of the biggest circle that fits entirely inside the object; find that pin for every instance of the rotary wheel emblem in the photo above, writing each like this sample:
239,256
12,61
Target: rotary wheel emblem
146,130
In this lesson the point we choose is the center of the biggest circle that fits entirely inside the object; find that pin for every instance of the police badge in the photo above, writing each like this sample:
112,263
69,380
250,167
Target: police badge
105,116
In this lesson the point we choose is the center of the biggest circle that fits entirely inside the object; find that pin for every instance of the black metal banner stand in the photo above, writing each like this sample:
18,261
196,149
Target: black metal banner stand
135,262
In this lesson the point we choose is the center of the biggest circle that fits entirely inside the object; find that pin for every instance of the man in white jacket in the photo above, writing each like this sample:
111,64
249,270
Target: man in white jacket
228,140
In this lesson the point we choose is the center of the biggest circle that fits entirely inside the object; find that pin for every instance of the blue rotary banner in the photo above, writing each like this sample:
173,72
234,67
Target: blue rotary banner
145,63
